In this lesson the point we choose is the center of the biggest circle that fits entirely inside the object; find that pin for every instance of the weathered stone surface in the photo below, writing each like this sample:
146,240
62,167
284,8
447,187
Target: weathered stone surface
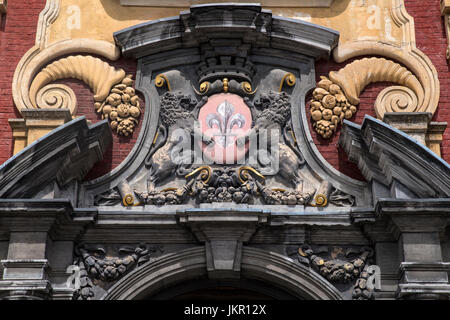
225,240
400,163
65,154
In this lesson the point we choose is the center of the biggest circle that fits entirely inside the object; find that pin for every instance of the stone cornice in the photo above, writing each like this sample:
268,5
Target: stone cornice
414,215
203,23
388,155
57,217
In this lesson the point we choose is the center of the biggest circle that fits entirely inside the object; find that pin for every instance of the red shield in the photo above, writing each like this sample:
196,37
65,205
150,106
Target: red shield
225,118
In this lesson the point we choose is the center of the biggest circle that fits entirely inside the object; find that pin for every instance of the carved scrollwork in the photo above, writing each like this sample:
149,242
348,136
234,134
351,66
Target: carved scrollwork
99,75
56,96
336,97
114,96
288,79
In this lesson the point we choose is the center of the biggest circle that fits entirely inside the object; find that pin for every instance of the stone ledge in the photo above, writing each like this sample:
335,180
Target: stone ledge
423,291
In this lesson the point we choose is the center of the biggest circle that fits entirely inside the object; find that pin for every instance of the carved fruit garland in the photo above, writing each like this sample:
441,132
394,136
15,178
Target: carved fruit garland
121,107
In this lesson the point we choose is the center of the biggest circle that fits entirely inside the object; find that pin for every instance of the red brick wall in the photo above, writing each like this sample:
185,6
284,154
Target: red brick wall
17,35
431,39
121,145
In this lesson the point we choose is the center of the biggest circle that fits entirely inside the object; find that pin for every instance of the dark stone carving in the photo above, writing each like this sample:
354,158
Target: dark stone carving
176,113
341,199
108,198
337,270
225,73
275,115
224,185
96,267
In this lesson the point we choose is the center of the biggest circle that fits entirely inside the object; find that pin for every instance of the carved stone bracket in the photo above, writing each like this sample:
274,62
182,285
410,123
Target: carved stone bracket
32,87
223,233
418,91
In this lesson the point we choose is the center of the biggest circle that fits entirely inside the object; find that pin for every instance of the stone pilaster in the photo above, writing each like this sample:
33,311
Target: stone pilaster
35,124
25,269
435,135
419,126
417,224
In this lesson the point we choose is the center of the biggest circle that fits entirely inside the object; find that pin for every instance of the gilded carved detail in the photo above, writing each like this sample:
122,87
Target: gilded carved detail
336,98
341,266
121,107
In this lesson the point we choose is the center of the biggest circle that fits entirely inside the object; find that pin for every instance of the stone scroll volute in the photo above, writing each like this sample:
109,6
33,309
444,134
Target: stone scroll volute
336,98
114,95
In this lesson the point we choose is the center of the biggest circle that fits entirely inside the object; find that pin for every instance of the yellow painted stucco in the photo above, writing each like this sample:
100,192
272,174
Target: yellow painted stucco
98,19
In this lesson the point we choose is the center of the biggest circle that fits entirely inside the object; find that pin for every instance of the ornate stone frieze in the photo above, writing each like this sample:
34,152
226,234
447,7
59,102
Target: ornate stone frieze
99,269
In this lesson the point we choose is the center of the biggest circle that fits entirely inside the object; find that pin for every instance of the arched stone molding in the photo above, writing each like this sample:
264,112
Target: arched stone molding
189,264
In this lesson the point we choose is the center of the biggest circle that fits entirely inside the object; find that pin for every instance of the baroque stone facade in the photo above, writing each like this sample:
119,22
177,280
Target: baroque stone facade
224,183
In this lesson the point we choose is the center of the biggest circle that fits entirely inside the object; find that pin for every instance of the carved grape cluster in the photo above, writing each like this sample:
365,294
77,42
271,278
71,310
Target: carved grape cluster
121,107
329,107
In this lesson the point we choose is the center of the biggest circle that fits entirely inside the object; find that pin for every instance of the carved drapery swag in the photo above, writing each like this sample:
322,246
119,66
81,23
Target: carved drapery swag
98,269
343,266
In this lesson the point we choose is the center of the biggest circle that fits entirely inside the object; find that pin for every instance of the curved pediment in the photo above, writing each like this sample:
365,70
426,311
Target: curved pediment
248,23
